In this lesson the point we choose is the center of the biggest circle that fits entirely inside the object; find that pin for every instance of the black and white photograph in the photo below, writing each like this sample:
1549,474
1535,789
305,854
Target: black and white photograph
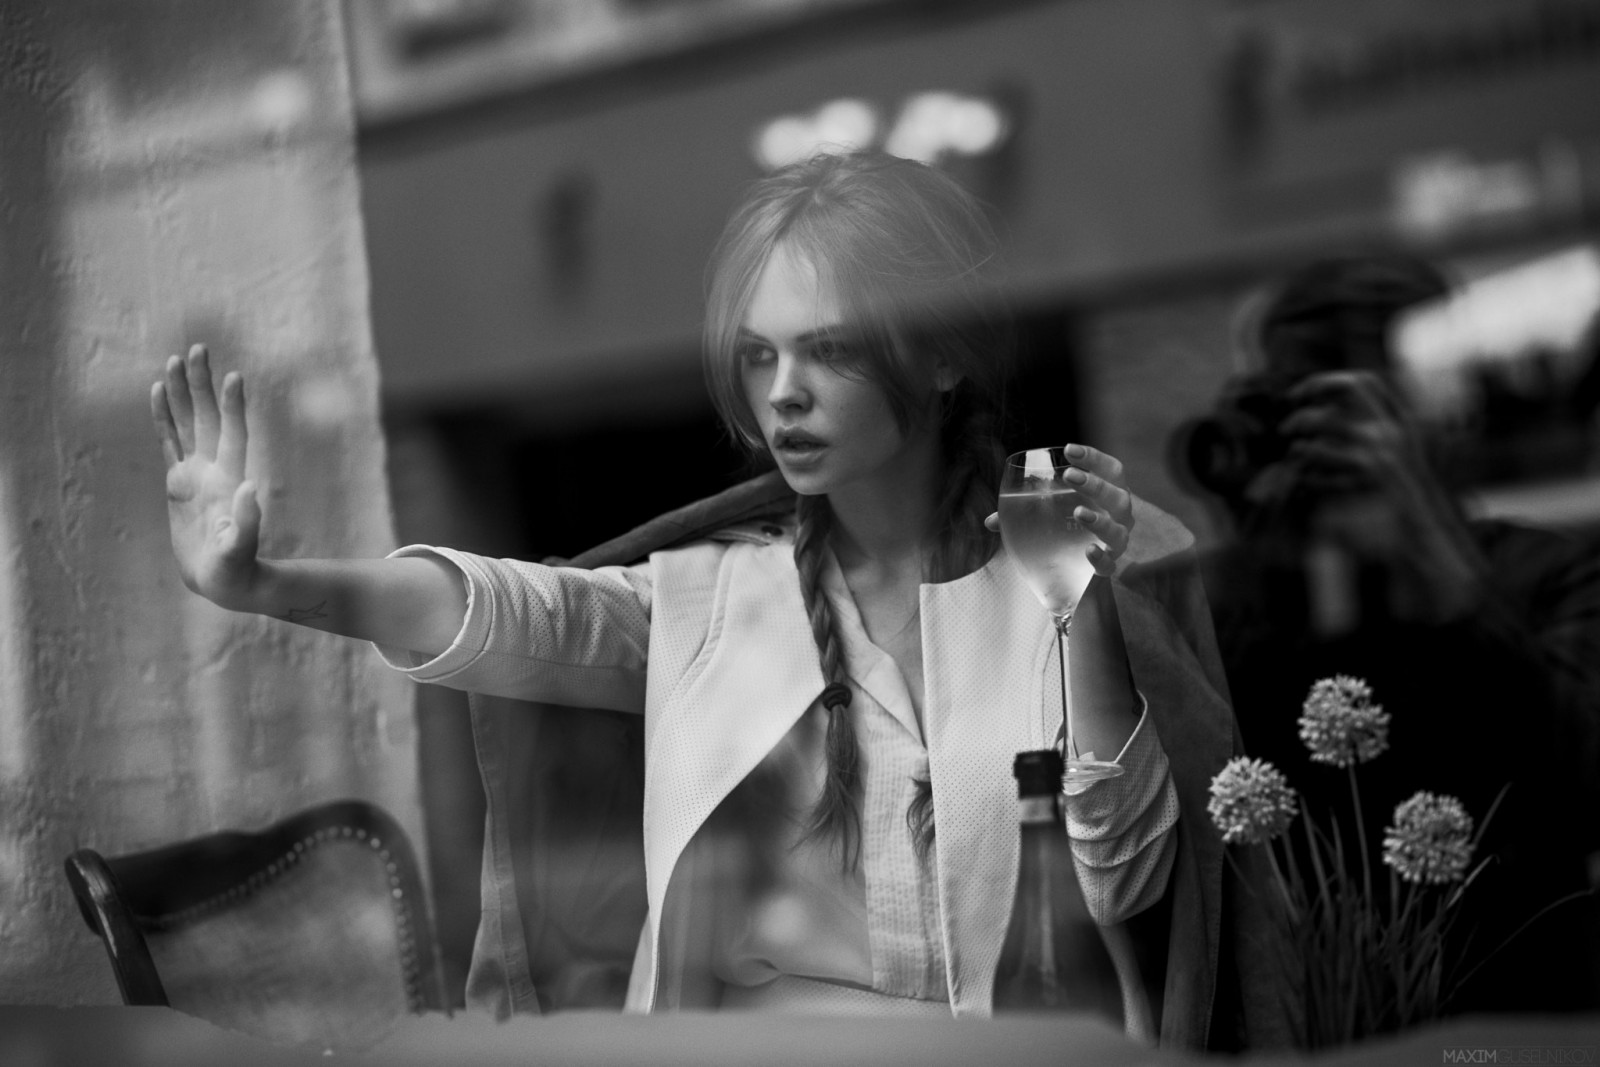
799,532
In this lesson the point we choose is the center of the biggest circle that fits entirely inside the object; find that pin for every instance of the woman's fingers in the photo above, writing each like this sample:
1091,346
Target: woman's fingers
203,396
1095,462
192,420
233,435
1110,497
1099,477
179,403
1103,562
161,415
1111,533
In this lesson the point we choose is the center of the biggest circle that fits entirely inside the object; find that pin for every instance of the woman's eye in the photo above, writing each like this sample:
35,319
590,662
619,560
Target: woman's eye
832,351
750,352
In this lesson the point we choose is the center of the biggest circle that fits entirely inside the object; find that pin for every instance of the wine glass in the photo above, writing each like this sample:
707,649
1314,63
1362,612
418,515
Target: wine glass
1049,547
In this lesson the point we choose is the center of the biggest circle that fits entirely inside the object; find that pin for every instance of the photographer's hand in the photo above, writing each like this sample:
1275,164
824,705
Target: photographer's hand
1355,445
1348,430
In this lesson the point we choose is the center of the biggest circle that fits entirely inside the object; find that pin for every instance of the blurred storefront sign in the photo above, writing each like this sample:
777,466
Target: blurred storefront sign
1442,194
414,57
1441,117
930,126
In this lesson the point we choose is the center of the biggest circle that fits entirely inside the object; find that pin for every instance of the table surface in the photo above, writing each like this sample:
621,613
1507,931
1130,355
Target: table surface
46,1037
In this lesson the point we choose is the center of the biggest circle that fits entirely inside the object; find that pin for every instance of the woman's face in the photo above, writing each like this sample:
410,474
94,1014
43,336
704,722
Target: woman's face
828,427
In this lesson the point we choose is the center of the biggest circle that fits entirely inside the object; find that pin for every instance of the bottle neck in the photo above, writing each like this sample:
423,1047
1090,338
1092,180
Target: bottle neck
1036,810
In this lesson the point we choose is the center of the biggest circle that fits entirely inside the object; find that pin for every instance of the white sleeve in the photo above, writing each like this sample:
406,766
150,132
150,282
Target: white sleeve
1122,829
561,635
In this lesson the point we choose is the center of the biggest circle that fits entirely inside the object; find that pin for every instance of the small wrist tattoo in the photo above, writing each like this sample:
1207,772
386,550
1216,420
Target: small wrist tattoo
306,614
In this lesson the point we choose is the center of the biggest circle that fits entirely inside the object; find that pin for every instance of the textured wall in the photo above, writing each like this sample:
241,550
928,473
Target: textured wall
173,170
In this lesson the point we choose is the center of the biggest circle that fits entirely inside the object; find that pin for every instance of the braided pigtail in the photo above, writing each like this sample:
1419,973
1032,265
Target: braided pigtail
838,812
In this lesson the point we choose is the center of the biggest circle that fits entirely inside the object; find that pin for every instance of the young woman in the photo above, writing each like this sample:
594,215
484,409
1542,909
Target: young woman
831,705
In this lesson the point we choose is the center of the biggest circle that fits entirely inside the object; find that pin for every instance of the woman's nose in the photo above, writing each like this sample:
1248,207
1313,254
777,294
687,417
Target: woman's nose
788,390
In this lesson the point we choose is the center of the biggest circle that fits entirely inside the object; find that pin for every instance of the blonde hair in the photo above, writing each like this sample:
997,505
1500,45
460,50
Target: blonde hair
913,259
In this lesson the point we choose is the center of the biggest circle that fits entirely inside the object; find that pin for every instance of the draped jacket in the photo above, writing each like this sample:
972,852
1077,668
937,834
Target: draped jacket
732,666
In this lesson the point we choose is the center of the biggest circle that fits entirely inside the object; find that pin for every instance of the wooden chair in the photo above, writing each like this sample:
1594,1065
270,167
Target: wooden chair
314,930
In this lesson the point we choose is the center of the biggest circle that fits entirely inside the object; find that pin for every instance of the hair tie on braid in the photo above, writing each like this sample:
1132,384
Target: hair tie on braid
837,695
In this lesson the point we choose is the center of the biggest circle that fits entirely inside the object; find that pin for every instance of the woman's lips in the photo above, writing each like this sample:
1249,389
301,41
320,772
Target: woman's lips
798,447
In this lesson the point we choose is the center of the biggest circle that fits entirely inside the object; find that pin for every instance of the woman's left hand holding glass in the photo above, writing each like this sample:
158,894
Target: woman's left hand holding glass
1104,695
1099,476
1102,682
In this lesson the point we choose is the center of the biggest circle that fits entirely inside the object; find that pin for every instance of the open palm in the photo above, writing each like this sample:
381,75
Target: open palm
213,512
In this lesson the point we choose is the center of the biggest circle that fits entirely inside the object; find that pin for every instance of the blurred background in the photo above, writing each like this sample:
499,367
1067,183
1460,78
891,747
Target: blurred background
534,187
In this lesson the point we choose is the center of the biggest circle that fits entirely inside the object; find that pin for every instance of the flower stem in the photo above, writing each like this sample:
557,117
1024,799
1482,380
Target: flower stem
1535,917
1283,884
1361,834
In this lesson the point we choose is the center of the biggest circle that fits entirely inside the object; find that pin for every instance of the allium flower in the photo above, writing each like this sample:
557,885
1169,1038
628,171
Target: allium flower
1341,725
1251,801
1431,839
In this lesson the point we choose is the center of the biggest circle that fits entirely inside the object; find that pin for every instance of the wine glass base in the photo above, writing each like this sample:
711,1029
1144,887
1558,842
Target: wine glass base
1080,772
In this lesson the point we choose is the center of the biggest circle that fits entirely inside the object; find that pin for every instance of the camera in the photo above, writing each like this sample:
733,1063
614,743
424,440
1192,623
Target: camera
1223,451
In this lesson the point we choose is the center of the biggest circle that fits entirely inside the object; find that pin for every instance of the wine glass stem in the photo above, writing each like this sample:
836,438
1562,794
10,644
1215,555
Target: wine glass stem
1063,628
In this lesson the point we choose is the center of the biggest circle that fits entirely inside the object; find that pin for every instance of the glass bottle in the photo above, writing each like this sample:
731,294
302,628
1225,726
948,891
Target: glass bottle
1055,957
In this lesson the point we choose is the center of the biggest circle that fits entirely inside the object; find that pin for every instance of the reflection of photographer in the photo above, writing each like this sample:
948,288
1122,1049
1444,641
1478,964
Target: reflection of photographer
1319,451
1331,317
1350,555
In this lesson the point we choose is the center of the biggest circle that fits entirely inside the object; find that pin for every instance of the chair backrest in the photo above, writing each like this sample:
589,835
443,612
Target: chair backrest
314,930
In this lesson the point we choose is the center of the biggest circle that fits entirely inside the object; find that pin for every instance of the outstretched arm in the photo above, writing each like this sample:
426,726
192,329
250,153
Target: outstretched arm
215,518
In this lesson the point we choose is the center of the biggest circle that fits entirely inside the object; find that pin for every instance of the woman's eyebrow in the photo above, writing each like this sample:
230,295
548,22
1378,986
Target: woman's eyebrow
832,331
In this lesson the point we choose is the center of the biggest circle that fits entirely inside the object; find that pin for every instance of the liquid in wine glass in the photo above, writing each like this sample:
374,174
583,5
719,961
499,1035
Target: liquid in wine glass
1049,547
1048,544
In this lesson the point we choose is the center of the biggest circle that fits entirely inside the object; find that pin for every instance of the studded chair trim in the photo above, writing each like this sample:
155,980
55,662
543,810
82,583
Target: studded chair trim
124,897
